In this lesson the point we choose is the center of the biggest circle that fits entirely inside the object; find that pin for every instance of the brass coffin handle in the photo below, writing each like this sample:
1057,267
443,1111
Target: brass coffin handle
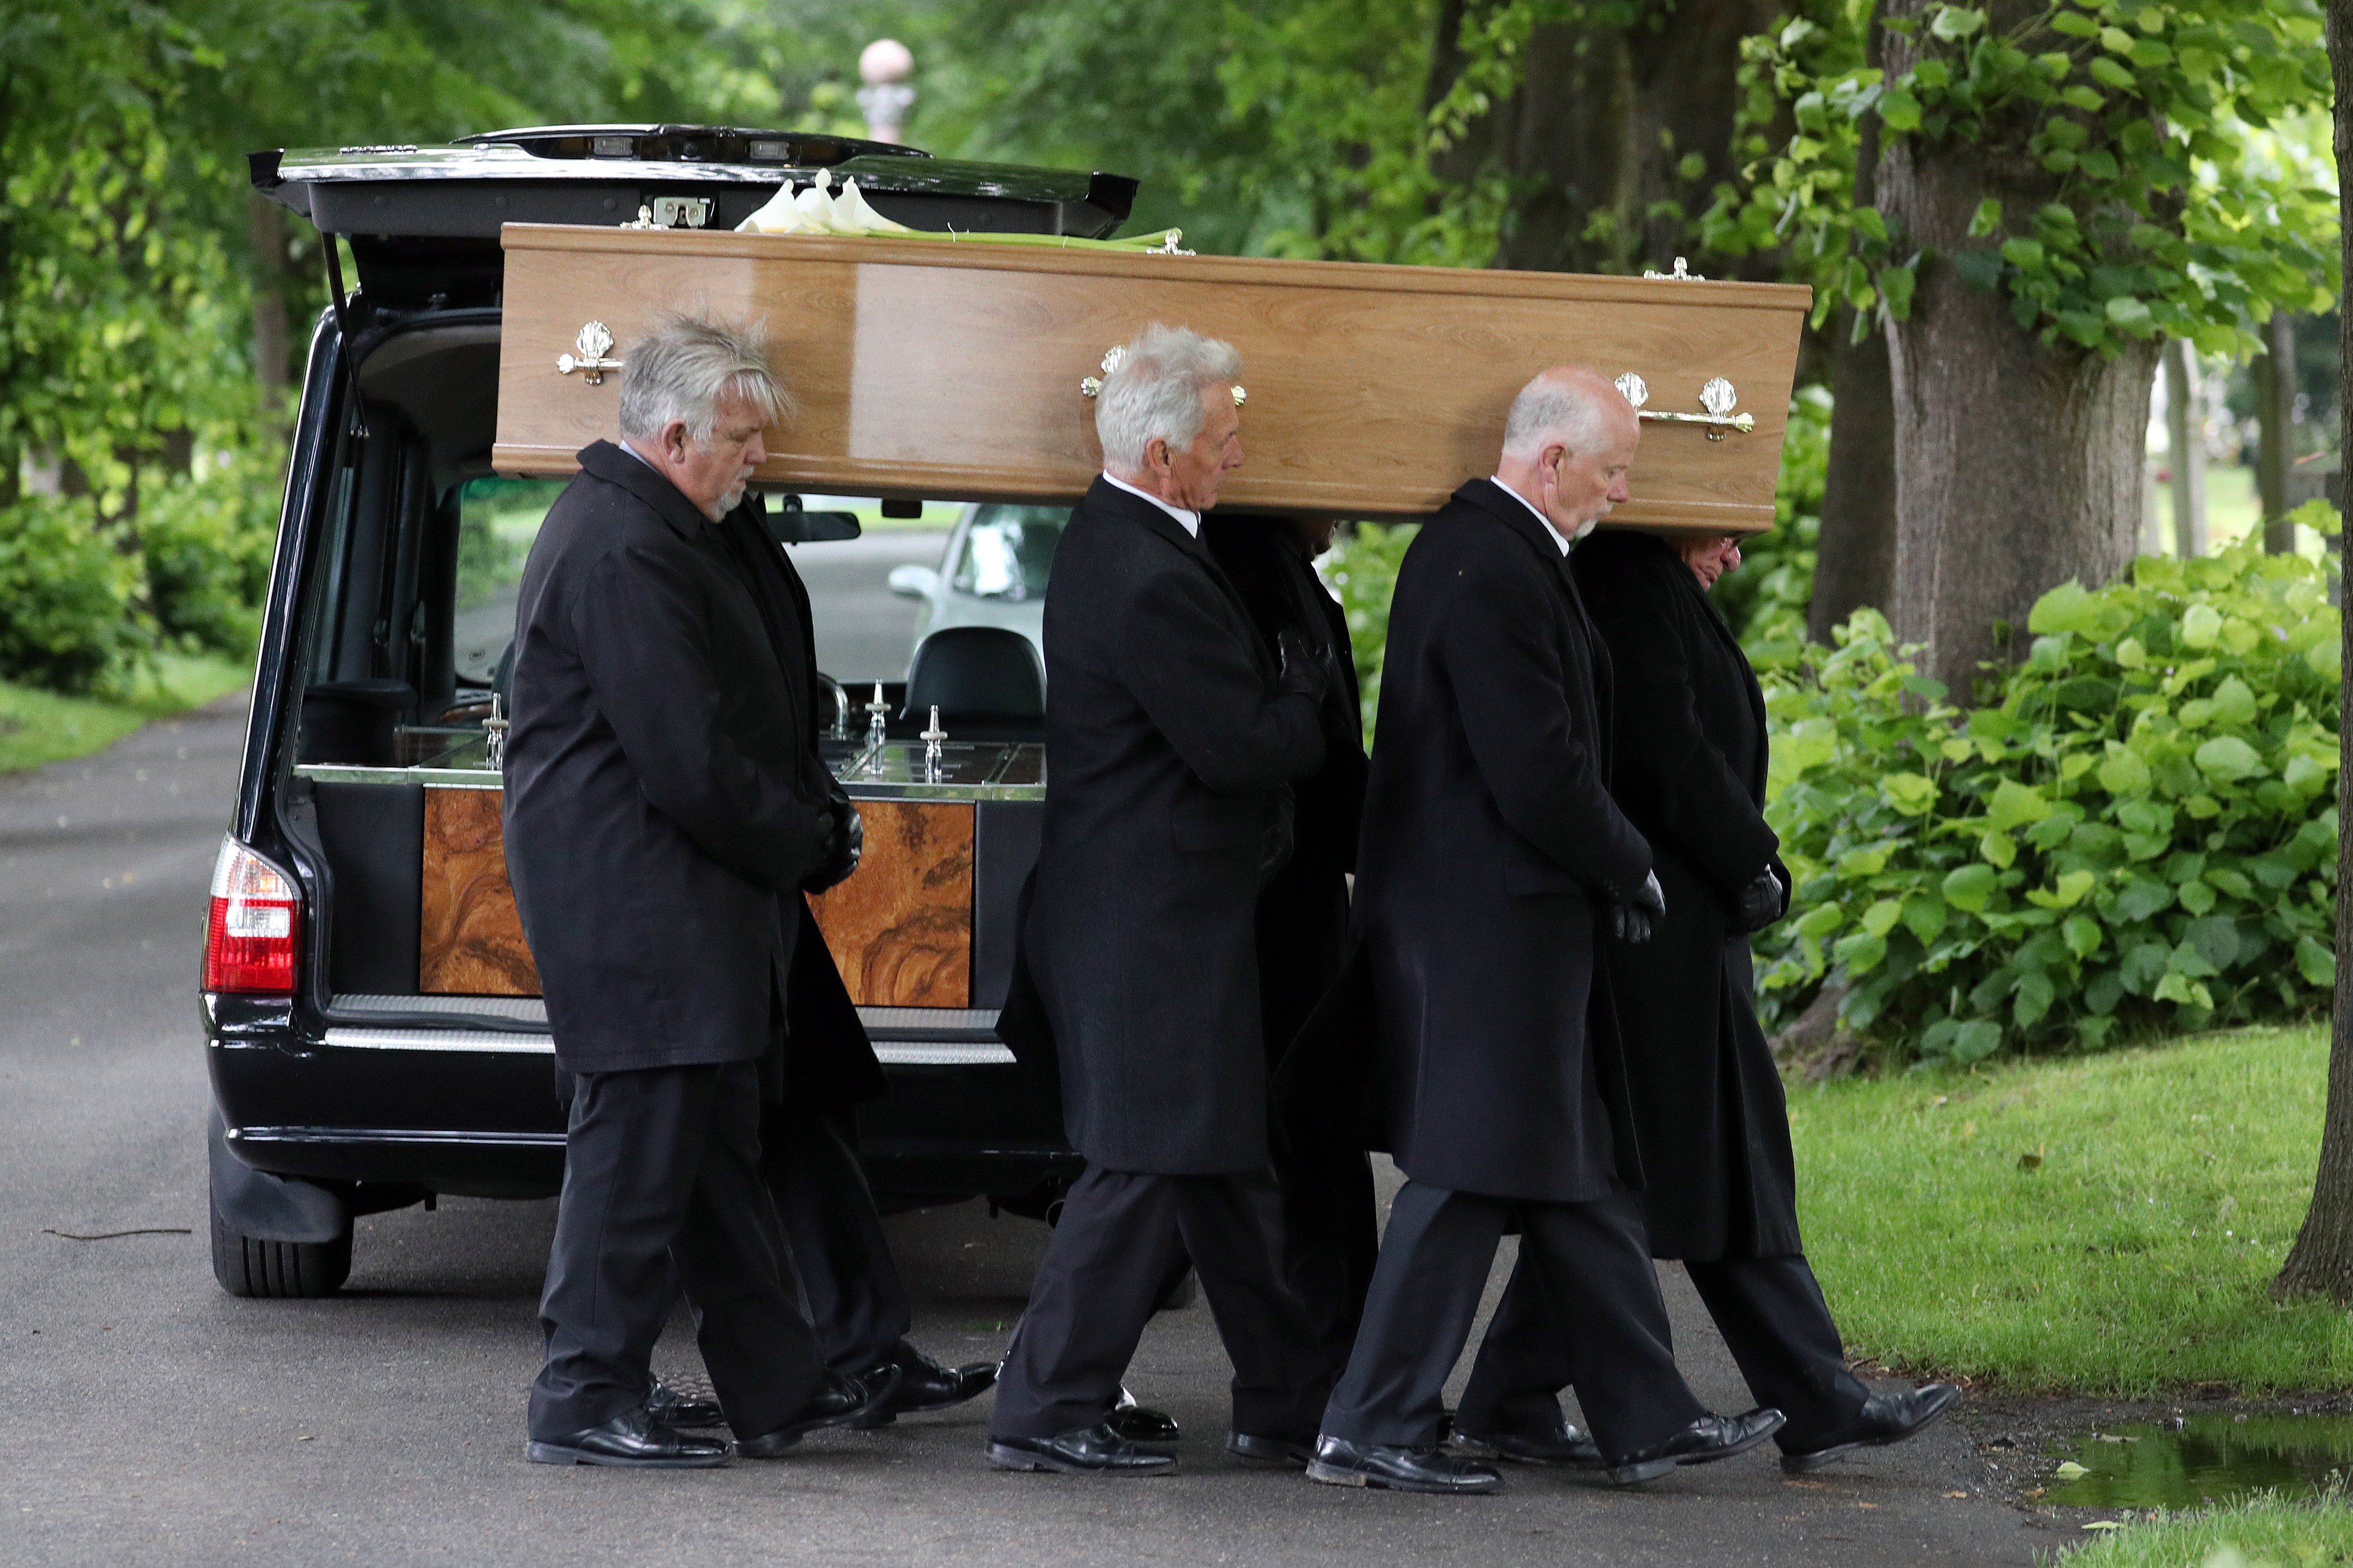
595,341
1719,397
1089,386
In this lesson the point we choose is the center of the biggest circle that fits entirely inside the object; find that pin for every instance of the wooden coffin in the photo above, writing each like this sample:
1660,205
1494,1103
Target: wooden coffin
952,371
900,931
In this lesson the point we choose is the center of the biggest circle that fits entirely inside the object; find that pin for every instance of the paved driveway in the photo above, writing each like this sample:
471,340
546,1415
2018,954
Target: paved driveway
152,1419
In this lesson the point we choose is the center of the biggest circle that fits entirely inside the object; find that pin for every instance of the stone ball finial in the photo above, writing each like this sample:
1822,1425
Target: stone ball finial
885,61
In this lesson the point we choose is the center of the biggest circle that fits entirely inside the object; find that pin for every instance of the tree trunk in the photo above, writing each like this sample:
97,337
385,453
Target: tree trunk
2021,465
269,336
2275,374
1854,555
1594,140
2321,1261
2185,434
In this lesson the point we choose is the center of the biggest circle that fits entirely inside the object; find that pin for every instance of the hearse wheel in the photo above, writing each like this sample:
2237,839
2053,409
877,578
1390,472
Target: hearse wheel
248,1266
274,1236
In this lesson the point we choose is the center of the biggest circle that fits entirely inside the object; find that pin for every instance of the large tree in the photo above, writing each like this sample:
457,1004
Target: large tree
2057,186
2321,1261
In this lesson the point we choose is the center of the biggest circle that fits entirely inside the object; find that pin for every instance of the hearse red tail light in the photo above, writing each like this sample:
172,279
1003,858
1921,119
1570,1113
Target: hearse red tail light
256,926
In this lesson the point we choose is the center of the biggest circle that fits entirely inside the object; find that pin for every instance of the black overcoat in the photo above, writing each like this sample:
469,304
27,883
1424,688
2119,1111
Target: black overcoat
1302,913
1690,744
1167,741
1491,854
663,804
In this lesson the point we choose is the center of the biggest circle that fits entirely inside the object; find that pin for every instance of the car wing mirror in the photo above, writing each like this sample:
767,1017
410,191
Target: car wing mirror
913,581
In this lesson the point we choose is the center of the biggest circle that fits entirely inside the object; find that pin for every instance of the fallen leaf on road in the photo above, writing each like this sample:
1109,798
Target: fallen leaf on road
2070,1470
1956,1494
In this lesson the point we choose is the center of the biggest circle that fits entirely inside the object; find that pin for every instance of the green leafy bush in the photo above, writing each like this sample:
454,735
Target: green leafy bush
208,543
1362,569
66,620
2139,835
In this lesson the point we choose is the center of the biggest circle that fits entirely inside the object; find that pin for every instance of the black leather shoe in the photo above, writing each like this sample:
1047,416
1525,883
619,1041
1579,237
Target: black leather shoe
671,1408
925,1385
1141,1422
1704,1441
1568,1446
1089,1451
1885,1418
631,1440
1340,1463
1271,1449
839,1403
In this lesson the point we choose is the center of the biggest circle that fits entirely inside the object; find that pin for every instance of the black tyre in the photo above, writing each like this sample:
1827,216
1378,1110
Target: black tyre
247,1265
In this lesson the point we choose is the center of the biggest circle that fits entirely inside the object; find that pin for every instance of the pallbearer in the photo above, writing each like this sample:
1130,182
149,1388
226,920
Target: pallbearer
1492,858
1721,1189
1173,732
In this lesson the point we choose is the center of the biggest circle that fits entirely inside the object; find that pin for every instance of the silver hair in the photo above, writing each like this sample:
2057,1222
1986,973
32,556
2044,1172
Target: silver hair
682,368
1156,393
1549,410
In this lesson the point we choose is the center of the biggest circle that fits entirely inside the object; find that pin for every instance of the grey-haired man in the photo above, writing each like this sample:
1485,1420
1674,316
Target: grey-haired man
663,809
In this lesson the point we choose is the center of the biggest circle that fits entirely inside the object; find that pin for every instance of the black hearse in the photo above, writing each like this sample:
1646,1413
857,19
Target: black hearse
343,1085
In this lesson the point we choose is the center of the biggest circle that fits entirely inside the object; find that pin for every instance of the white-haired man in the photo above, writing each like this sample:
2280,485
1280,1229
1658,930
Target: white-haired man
665,808
1174,732
1491,853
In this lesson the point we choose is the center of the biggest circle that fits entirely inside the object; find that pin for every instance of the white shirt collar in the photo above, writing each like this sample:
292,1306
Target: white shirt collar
1190,520
1550,532
641,456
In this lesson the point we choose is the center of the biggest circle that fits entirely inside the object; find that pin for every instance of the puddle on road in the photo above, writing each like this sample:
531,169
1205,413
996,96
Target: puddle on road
2212,1458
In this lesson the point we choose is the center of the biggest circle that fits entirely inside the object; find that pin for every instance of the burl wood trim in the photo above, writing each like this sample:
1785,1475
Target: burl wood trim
900,930
1374,390
470,942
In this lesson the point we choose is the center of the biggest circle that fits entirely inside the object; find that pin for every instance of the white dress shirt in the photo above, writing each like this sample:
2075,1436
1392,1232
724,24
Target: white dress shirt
1550,532
1190,520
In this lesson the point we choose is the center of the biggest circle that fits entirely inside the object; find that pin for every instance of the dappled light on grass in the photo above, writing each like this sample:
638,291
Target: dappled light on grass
2105,1226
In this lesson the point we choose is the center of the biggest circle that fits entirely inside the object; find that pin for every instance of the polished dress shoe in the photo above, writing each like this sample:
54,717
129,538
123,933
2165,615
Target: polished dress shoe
671,1408
1141,1422
631,1440
838,1402
1340,1463
1704,1441
925,1385
1568,1446
1271,1449
1884,1419
1090,1451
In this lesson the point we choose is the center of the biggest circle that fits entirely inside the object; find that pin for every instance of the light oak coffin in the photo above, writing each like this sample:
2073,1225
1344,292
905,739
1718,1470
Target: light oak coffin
952,371
900,931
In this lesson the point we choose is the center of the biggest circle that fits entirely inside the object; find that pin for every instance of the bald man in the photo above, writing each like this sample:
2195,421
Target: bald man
1492,857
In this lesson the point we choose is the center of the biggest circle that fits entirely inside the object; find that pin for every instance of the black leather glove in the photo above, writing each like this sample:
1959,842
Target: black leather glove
1760,903
1638,920
1306,670
841,845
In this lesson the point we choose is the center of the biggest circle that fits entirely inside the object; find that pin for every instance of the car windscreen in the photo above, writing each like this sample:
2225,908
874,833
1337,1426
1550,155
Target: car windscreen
497,521
1007,551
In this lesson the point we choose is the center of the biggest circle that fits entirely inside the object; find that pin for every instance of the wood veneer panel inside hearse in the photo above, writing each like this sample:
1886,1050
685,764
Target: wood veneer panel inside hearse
952,371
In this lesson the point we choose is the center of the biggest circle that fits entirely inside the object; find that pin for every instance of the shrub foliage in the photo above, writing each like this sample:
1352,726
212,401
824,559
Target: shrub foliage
2138,833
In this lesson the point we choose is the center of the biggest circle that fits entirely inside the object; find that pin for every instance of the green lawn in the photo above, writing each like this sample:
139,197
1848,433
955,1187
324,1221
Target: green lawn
2261,1532
38,727
2098,1224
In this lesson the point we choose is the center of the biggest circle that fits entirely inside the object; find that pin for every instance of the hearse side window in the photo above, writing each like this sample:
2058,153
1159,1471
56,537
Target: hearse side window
1008,551
497,521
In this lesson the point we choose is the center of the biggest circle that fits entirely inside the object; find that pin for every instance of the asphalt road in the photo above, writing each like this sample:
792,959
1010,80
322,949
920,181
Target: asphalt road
865,632
153,1418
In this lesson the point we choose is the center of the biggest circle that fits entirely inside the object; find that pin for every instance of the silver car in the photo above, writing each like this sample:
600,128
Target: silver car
993,573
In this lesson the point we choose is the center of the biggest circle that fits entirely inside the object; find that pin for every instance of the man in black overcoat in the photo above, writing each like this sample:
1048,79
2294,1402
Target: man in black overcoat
1174,737
1492,857
1721,1193
1330,1224
663,811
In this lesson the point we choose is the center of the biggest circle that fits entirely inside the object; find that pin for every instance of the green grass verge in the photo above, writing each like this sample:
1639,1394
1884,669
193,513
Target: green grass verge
38,726
2105,1224
2266,1531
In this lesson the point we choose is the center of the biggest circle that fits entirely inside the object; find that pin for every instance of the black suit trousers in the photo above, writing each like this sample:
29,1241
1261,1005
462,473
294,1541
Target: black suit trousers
1119,1235
661,1167
857,1302
1770,1309
1596,1280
